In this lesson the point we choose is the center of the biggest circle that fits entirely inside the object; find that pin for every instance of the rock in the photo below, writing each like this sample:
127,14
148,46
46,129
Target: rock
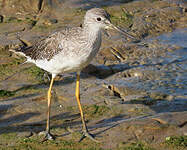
99,71
26,134
1,18
53,21
158,96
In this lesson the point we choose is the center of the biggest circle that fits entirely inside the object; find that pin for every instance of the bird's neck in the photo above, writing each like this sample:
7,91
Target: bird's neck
93,33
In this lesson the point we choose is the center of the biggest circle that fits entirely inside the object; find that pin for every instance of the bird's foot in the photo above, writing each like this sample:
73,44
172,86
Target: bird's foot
47,136
85,134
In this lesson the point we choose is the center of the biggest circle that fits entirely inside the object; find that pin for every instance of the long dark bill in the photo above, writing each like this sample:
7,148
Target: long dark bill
122,32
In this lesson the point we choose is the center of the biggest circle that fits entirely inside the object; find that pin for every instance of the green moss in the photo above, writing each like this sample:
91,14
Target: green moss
91,148
120,18
8,136
154,1
178,141
134,146
79,11
91,110
36,73
7,69
94,148
4,93
67,143
17,61
34,143
95,110
11,19
30,21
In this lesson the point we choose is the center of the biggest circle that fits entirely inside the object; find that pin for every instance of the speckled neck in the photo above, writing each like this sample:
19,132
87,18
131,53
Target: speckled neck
93,33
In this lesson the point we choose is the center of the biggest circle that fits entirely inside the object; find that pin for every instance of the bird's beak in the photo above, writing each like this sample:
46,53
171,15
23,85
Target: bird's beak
111,26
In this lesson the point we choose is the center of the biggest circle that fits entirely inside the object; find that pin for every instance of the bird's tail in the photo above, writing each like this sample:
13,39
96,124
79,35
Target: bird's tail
17,51
20,49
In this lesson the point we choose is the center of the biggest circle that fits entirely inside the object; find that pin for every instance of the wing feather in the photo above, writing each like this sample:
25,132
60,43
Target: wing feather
43,49
53,44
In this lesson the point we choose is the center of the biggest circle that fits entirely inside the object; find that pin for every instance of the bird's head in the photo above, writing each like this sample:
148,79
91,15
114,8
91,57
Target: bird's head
99,18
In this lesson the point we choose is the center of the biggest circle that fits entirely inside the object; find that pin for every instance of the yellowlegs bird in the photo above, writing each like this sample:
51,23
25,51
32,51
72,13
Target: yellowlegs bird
70,50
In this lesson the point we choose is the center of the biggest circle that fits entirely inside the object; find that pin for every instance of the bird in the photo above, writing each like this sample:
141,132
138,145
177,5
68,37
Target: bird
70,50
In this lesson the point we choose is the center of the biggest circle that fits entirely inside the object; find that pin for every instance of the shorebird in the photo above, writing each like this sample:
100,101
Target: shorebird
70,50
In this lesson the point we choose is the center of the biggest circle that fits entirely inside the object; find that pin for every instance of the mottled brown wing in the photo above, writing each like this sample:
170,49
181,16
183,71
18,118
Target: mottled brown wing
44,49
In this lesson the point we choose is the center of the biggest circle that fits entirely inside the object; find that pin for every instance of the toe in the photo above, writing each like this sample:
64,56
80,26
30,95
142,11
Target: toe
89,135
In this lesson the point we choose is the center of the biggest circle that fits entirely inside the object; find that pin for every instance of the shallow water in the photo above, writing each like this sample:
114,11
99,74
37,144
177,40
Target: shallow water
177,37
177,59
164,75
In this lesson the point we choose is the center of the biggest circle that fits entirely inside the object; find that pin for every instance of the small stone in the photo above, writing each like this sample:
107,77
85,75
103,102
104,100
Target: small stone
1,18
138,133
42,133
170,97
184,10
53,21
26,134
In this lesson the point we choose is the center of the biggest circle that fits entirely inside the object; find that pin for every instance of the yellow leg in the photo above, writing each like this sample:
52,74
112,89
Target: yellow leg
77,94
48,135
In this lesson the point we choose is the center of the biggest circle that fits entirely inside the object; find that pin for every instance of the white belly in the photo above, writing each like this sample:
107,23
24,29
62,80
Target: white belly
63,64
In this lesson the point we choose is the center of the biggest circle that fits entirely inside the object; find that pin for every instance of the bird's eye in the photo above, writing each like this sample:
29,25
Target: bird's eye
98,19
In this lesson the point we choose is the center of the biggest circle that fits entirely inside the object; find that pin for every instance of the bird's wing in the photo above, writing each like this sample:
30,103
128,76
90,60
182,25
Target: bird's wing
48,47
43,49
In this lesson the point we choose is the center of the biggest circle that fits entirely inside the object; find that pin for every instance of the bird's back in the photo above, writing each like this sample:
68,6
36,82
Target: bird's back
50,46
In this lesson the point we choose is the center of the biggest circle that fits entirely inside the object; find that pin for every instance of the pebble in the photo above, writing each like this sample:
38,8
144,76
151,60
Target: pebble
1,18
